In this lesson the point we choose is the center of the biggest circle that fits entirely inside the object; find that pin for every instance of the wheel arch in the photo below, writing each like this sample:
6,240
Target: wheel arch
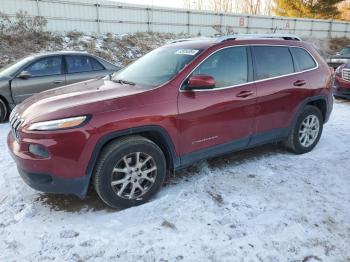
321,104
156,134
320,101
7,105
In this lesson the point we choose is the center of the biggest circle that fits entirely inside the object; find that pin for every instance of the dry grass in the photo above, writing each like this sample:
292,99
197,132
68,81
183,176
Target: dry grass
26,35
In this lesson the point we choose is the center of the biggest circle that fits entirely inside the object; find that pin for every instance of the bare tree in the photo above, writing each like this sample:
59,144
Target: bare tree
194,4
251,6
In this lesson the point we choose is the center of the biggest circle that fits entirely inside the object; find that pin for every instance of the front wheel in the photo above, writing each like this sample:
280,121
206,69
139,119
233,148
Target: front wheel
3,111
129,172
307,131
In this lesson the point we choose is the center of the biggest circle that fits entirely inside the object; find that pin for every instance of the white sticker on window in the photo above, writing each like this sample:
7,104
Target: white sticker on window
186,52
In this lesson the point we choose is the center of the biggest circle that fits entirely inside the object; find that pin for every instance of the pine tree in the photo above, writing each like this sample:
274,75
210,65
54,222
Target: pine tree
322,9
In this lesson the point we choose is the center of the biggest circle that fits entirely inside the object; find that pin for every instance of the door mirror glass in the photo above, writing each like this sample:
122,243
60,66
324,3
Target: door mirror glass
201,82
24,75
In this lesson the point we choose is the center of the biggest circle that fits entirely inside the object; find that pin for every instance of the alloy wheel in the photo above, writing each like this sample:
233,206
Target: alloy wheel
309,130
134,175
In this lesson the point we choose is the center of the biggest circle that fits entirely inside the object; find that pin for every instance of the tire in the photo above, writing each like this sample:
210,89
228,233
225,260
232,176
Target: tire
296,142
122,163
3,111
338,97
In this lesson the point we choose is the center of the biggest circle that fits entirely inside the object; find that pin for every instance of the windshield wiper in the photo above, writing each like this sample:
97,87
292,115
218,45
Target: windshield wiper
121,81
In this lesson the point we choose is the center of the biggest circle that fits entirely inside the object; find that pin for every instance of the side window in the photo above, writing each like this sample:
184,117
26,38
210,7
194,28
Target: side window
96,65
228,66
303,59
78,64
48,66
271,61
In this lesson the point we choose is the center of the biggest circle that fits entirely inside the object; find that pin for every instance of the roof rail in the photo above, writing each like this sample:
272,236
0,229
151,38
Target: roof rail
262,36
179,40
189,39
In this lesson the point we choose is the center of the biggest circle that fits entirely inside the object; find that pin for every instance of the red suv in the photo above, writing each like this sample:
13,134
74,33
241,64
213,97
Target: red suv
341,83
186,101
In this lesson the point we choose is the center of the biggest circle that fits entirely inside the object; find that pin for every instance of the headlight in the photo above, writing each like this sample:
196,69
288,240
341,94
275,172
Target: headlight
58,124
339,68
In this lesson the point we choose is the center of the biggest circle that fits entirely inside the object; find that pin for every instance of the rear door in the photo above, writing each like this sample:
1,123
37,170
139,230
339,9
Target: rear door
219,119
280,88
80,68
46,73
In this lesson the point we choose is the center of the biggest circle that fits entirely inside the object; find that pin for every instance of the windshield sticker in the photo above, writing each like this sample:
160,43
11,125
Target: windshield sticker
186,52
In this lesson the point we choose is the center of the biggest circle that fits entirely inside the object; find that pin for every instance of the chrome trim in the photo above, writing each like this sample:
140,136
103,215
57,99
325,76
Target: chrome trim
258,36
15,121
346,76
251,82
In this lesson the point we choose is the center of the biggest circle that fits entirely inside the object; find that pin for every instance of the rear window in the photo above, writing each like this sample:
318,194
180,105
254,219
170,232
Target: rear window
302,59
272,61
96,66
78,64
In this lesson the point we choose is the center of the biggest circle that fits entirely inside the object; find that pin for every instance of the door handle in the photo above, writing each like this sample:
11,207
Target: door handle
299,83
245,94
58,82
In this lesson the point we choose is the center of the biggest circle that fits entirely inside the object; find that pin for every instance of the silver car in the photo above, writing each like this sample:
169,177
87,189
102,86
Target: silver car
41,72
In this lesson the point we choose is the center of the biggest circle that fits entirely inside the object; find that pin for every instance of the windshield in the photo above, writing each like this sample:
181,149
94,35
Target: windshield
157,67
11,69
345,51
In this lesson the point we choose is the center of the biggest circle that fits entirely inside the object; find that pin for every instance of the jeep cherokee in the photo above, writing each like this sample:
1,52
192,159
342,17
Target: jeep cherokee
186,101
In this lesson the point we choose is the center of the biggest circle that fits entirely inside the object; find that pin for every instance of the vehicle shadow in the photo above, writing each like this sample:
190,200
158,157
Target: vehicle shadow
92,202
71,203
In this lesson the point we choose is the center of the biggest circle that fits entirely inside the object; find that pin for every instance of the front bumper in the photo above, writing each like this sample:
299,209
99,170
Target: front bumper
53,184
64,170
341,88
341,92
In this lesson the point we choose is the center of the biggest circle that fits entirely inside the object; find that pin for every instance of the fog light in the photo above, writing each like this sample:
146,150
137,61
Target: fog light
38,150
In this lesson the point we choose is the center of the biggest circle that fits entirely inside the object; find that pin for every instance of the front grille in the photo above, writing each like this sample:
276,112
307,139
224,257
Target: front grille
15,121
346,74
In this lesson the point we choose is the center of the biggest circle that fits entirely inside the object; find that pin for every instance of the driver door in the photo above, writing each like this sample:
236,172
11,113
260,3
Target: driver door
45,73
218,120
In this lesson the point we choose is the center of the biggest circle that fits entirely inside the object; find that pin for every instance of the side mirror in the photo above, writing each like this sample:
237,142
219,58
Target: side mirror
201,82
24,75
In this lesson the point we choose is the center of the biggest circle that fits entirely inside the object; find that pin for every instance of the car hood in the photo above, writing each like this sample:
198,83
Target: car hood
339,57
4,78
88,97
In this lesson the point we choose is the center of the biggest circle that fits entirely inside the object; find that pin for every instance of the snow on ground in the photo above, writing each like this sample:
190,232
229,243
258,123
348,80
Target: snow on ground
264,204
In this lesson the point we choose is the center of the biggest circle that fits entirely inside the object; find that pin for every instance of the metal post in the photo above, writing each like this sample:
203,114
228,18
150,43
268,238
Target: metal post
221,21
98,17
346,29
188,22
312,27
248,24
330,28
148,10
38,7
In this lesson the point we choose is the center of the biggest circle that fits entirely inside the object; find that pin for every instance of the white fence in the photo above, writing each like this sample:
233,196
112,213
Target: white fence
102,16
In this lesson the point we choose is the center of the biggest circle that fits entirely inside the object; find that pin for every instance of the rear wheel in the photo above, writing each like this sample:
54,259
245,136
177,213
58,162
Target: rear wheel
338,98
307,131
129,172
3,111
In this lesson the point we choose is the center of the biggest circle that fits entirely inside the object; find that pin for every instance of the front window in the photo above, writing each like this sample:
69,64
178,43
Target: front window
345,51
48,66
11,69
158,66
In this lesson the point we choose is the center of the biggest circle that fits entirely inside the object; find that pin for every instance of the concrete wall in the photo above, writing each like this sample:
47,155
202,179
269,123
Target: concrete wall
102,16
